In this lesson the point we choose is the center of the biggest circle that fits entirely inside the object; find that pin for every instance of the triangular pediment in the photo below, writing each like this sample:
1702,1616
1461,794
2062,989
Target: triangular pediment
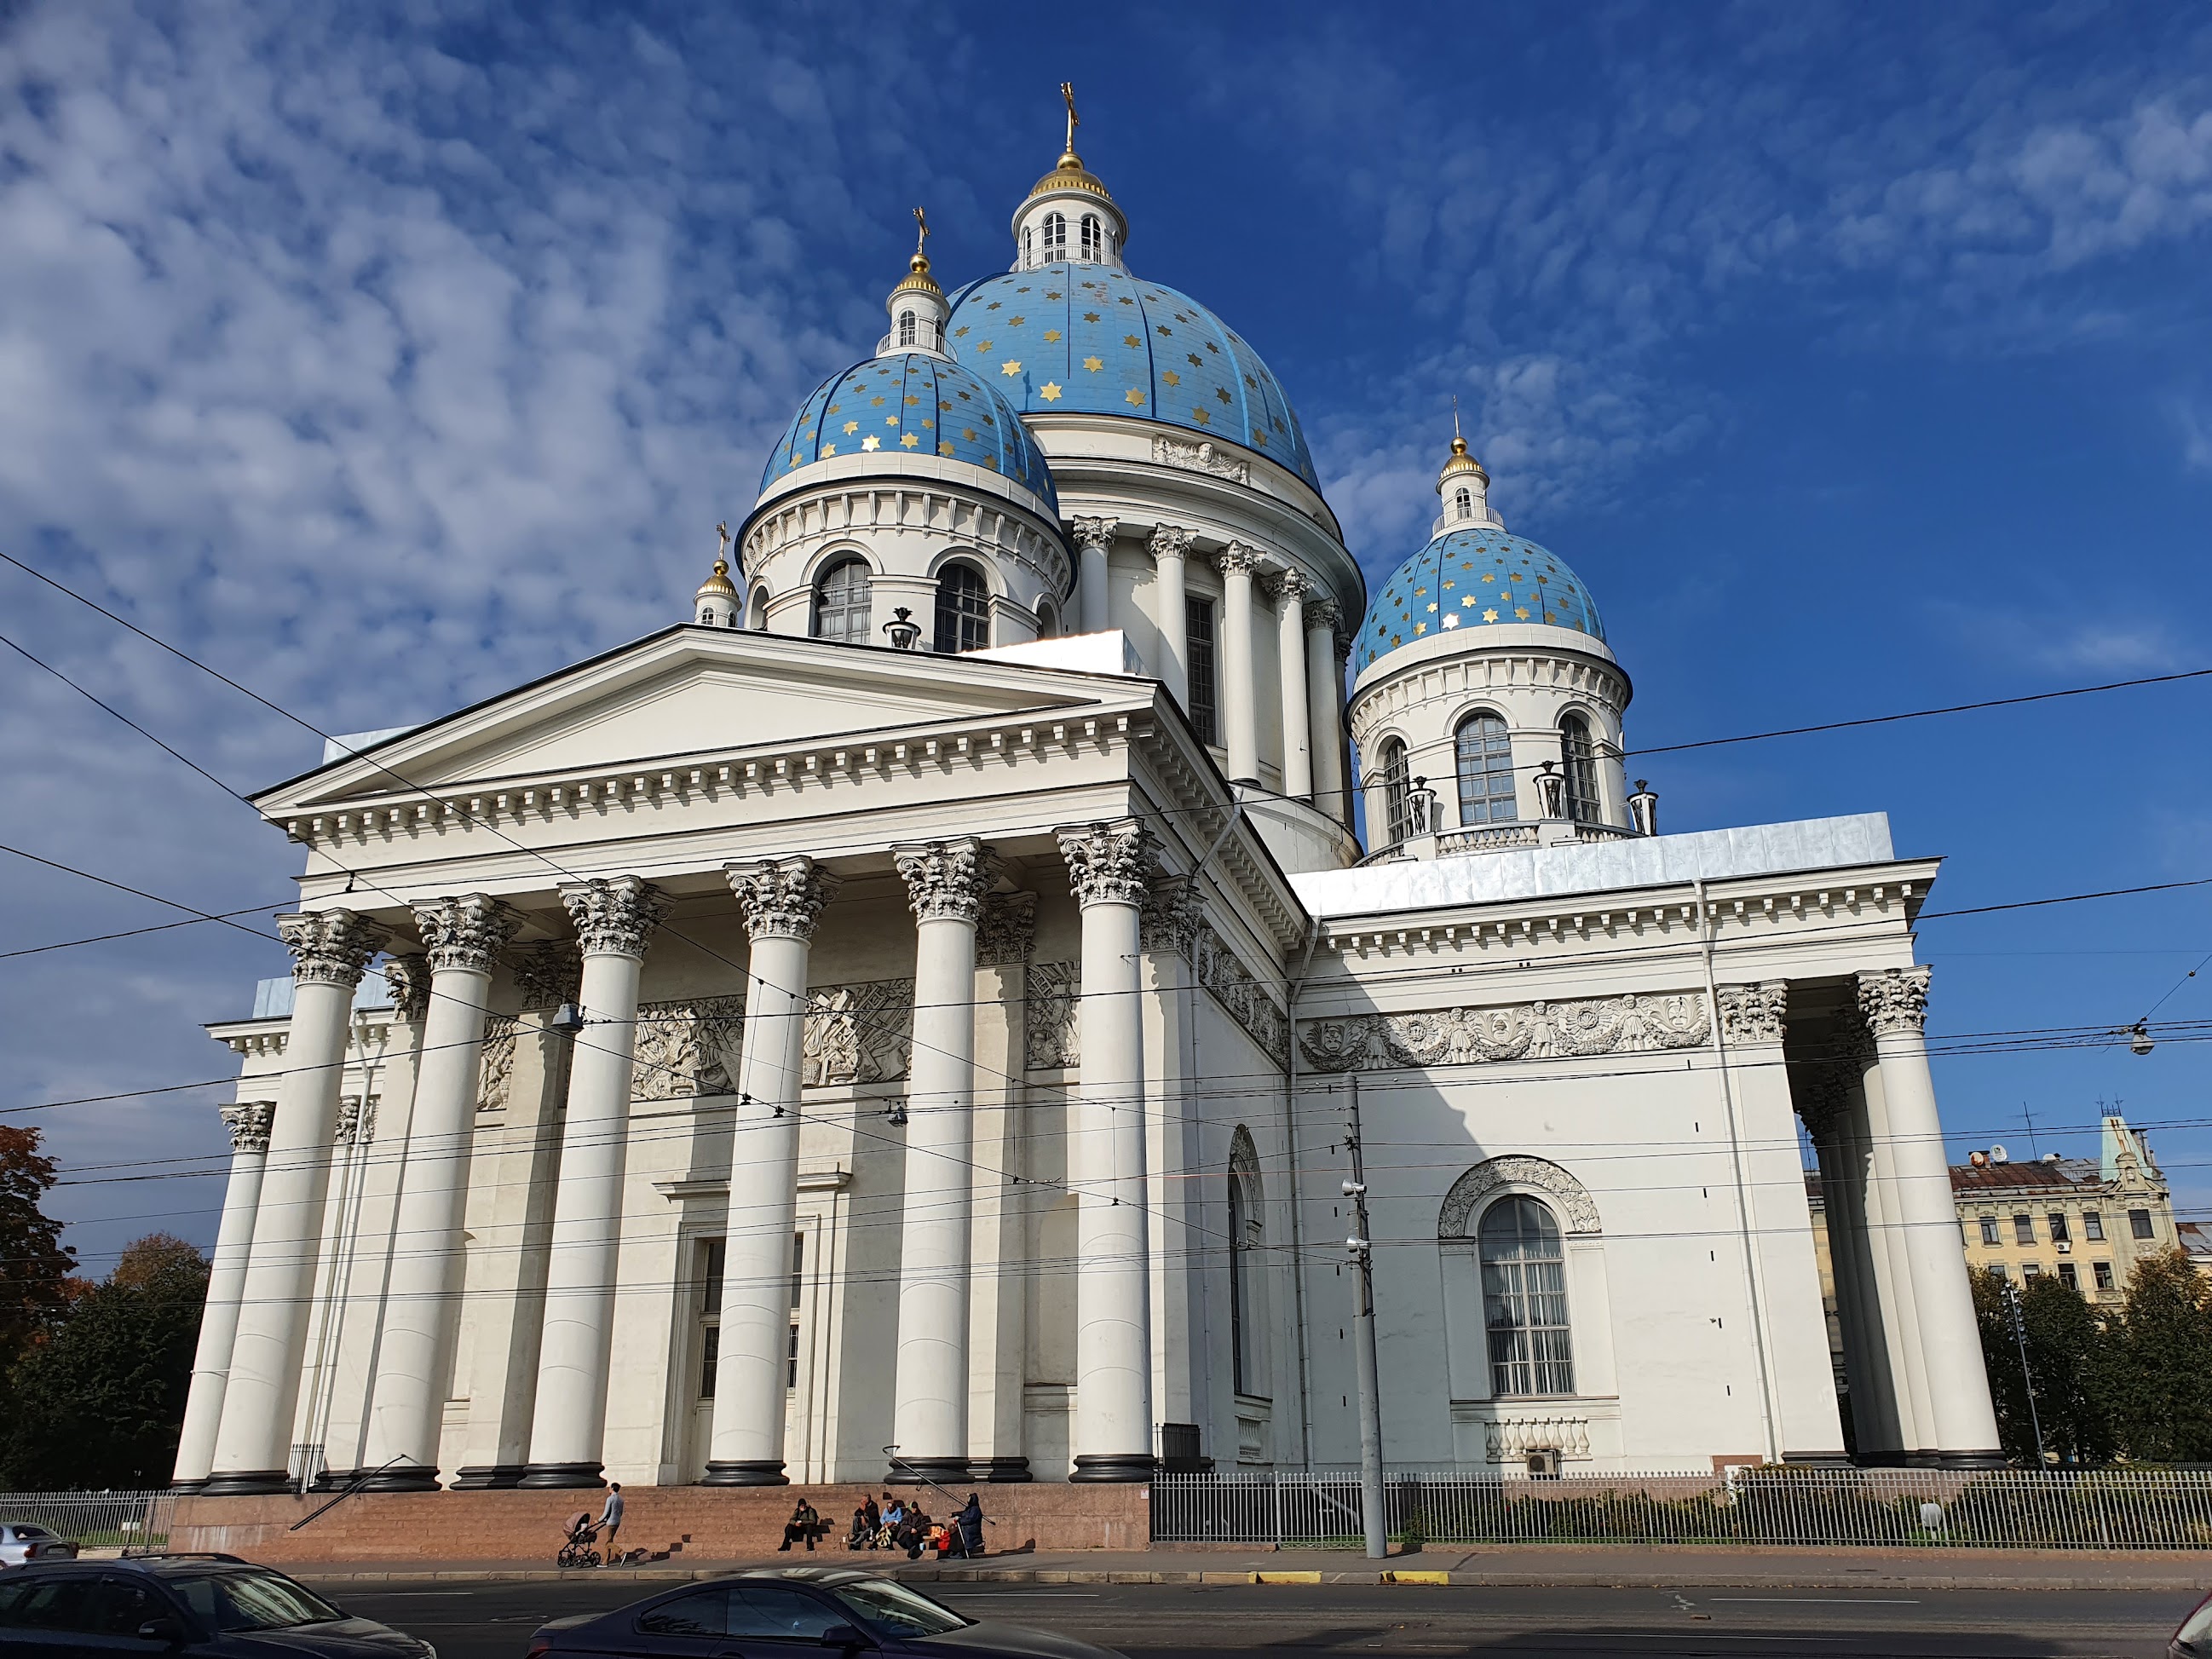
694,692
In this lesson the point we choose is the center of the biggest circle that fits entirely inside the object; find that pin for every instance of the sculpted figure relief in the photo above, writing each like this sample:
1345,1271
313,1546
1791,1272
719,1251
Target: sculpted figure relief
1628,1024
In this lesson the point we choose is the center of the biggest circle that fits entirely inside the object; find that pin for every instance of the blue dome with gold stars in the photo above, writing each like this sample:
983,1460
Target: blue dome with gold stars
1471,578
1089,339
915,403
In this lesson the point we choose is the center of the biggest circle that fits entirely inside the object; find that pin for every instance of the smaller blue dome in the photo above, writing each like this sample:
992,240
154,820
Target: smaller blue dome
1473,578
911,402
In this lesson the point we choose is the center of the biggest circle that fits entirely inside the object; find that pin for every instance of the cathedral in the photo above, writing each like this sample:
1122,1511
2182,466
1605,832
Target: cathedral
734,1059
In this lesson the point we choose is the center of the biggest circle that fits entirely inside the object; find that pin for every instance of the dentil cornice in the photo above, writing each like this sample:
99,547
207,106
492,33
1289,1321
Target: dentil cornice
1109,863
465,933
614,915
946,880
782,898
330,947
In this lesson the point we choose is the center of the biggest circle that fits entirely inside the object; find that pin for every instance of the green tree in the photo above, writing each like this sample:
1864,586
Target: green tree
2068,1356
2162,1372
98,1402
34,1266
2001,1360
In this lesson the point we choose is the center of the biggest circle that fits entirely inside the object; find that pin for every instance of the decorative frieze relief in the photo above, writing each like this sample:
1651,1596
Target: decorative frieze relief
1007,932
549,974
685,1047
1200,458
1051,1031
861,1033
248,1123
1627,1024
496,1069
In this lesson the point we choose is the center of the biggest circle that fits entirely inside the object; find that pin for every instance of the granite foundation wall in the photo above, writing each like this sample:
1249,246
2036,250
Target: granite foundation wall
688,1523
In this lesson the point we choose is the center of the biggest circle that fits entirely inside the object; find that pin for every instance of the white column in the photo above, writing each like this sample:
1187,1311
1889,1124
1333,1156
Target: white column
1171,547
1895,1004
782,900
233,1242
998,1345
945,882
1094,541
1109,866
1325,689
330,949
464,937
1874,1157
614,918
1240,713
1298,711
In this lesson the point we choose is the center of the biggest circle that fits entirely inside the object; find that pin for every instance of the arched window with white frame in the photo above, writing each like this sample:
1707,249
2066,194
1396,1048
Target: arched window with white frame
1248,1291
1395,778
1029,248
1463,503
1580,756
1524,1299
841,602
1094,240
905,328
1483,753
963,609
1055,237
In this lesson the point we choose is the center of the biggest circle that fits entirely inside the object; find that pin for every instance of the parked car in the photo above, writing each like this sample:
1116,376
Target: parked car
798,1613
20,1542
204,1607
2193,1639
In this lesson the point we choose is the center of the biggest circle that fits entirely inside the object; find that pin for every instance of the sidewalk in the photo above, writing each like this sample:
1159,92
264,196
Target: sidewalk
1623,1568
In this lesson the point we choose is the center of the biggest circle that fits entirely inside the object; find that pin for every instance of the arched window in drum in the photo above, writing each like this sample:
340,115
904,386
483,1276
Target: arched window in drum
963,609
1580,755
841,603
1483,755
1524,1299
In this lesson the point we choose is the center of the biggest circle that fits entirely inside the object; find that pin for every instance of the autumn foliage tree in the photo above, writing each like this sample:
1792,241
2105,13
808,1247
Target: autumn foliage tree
35,1265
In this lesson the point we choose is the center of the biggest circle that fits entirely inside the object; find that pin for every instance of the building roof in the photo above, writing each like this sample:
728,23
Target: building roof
1469,578
1091,339
2040,1175
911,403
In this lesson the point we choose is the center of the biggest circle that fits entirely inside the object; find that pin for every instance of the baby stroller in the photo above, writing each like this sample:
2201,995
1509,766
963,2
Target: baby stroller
577,1552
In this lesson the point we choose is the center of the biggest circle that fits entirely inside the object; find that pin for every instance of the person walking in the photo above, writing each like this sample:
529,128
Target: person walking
968,1529
611,1520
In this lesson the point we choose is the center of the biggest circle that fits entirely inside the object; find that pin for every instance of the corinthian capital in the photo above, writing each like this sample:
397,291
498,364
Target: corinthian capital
1169,541
782,898
1109,863
1171,916
1007,932
248,1122
614,915
1321,613
1096,532
330,947
1292,589
468,932
1754,1013
549,974
408,979
945,880
1894,1001
1239,558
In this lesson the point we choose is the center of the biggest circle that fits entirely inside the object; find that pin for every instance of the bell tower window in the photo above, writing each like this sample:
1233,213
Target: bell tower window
1580,755
963,609
1094,241
905,328
1055,237
841,603
1463,501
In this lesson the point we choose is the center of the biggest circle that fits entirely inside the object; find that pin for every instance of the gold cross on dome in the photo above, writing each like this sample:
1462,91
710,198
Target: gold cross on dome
921,232
722,541
1068,96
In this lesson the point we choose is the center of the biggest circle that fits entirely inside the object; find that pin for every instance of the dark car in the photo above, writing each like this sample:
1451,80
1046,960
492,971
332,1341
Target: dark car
2193,1640
798,1613
212,1605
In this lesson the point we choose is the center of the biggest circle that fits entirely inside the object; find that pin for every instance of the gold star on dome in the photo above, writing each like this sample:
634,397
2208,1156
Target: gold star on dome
994,306
1212,348
1134,396
891,420
1017,322
852,427
910,441
1489,575
871,442
1164,328
961,332
1222,393
1010,368
1051,335
1522,611
1203,417
877,402
829,449
1420,628
1451,622
912,399
833,409
1051,294
1131,341
969,433
1089,316
1125,299
983,345
927,424
1094,364
1171,376
1050,392
1489,616
1432,604
945,449
1468,602
1260,438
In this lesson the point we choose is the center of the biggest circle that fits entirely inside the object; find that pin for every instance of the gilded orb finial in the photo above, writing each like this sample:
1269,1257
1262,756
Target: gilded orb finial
1460,461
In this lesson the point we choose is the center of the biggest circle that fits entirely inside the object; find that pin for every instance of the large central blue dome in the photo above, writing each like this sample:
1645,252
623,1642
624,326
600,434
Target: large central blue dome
1089,339
1472,578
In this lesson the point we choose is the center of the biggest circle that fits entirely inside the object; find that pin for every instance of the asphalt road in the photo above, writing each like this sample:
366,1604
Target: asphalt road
1162,1621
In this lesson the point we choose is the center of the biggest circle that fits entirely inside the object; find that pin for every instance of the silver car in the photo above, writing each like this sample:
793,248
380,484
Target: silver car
21,1542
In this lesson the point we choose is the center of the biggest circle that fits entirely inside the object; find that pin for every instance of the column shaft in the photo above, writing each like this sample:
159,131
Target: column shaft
613,918
1900,1325
261,1396
1325,689
1169,547
234,1244
781,900
1239,688
1298,712
1094,540
929,1424
1109,865
1894,1004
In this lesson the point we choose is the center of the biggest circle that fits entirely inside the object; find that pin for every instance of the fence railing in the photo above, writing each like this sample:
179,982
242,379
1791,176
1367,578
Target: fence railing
2020,1509
129,1521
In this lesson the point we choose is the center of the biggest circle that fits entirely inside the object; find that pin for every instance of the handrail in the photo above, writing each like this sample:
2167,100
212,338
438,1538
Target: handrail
357,1483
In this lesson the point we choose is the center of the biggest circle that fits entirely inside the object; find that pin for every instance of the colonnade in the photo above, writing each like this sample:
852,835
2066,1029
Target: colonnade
246,1376
1911,1349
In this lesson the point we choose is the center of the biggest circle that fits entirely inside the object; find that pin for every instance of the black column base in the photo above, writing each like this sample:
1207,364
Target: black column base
758,1472
334,1480
541,1477
925,1471
1971,1460
1003,1470
1122,1467
489,1477
247,1483
1881,1458
406,1477
1817,1460
187,1488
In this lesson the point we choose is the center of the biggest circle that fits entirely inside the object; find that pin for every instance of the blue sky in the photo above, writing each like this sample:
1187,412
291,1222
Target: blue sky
1856,355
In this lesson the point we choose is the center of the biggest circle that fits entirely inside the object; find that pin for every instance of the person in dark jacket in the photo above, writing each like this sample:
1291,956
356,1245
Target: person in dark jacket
968,1529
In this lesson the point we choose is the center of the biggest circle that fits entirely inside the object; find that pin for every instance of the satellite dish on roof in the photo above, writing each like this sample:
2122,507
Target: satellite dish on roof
2050,1157
1997,1155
